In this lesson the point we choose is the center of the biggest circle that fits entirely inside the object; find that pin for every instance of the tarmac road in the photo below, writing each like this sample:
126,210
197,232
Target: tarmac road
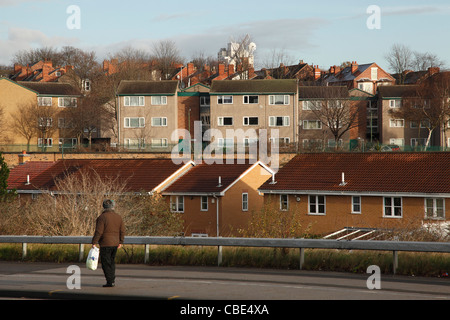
52,281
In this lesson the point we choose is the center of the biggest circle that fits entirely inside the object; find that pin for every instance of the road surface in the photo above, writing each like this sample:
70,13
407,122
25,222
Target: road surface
24,280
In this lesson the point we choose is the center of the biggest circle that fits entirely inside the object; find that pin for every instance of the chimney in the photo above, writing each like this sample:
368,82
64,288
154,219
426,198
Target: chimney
231,69
190,69
221,69
354,66
433,70
332,68
343,183
316,72
23,157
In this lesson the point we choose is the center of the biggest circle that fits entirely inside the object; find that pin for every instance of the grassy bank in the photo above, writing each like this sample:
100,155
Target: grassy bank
409,263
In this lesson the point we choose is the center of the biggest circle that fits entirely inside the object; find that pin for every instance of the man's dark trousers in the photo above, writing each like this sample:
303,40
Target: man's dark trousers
107,259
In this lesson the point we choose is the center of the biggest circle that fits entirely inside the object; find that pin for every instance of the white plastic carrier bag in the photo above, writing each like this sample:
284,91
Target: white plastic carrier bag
92,259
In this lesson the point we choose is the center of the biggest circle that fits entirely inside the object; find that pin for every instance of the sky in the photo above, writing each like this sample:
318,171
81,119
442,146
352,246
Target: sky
323,33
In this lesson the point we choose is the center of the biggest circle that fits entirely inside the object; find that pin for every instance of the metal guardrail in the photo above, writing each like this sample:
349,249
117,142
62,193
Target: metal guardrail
394,246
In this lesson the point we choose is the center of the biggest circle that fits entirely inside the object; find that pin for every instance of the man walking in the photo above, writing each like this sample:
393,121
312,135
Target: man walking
109,234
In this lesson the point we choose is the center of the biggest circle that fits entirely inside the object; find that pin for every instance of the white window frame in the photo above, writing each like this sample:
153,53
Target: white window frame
127,101
159,143
45,101
158,100
395,103
396,123
273,101
48,142
140,120
162,120
284,202
246,99
177,204
203,203
247,119
225,142
220,121
244,201
314,200
392,207
306,125
434,208
140,143
356,206
284,119
73,102
225,99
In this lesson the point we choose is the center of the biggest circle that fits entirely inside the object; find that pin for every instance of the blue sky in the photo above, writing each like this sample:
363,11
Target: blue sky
322,33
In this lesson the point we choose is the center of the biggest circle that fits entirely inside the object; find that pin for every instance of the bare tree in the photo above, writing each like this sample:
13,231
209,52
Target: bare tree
24,122
166,56
400,59
423,61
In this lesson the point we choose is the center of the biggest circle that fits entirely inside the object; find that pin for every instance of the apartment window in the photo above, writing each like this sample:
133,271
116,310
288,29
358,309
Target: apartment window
244,201
356,204
395,103
177,203
312,143
204,101
284,202
312,124
159,143
251,99
311,105
86,84
225,121
434,208
45,122
159,122
67,142
396,123
134,143
225,142
317,204
397,141
418,141
204,203
224,99
279,121
250,141
45,142
67,102
392,207
279,99
250,121
134,101
44,101
159,100
281,141
134,122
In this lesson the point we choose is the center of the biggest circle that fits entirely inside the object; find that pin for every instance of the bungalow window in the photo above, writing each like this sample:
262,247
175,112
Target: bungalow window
134,143
279,121
130,101
356,204
251,99
317,204
224,99
159,100
284,202
392,207
244,201
204,203
279,99
48,142
434,208
177,203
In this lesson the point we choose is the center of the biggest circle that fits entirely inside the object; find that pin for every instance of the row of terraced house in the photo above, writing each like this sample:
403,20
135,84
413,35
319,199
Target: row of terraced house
156,115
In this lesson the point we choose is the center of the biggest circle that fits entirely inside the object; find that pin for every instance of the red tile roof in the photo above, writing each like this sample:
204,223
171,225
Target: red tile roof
137,174
204,178
423,173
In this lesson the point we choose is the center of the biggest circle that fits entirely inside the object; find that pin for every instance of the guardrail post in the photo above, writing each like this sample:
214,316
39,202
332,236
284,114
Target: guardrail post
81,252
219,256
147,253
24,250
302,257
395,261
